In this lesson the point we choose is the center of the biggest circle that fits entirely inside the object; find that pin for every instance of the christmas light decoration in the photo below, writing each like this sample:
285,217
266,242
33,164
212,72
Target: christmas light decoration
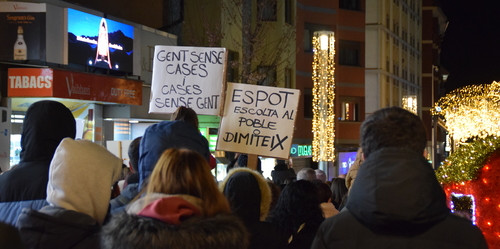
466,162
473,120
410,103
471,111
323,125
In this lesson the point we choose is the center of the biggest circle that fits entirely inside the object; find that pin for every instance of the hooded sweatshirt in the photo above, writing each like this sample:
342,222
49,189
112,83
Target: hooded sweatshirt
45,124
397,202
164,135
79,188
250,197
156,139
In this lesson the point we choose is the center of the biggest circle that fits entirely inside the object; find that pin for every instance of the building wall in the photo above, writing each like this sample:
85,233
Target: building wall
348,26
394,56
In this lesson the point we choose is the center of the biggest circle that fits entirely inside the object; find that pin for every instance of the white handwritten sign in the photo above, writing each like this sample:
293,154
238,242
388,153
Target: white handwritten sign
258,120
187,76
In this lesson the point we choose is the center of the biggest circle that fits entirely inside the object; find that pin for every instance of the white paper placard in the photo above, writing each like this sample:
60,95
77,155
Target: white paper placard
187,76
258,120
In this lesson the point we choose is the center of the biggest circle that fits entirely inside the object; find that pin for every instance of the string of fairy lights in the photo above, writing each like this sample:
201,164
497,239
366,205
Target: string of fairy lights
473,120
471,172
323,124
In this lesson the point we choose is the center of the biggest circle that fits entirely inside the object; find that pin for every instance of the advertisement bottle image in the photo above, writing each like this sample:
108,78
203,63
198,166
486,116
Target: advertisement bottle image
20,49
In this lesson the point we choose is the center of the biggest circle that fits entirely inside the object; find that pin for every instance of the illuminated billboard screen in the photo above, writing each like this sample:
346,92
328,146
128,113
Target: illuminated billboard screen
99,42
346,159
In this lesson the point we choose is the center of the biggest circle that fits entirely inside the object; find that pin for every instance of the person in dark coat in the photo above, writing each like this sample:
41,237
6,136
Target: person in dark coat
250,198
298,214
282,173
9,237
80,178
45,124
182,209
396,200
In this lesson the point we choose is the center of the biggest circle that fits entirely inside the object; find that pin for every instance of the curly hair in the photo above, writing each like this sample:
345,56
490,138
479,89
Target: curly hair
298,203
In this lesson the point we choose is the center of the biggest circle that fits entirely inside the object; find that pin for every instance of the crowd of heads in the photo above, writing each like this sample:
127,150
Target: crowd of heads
172,200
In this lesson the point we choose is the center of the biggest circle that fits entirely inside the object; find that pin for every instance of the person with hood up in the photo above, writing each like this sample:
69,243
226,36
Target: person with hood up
156,139
182,208
396,200
45,124
80,178
250,198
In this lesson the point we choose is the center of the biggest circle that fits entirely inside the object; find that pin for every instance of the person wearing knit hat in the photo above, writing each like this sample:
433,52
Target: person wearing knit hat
80,178
249,196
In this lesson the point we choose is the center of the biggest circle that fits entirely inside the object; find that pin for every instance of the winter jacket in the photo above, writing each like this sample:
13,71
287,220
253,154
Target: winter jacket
164,135
46,123
80,178
174,222
250,198
397,202
156,139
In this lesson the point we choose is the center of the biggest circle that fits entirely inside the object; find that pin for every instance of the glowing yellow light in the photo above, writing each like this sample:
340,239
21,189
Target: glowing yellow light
471,111
323,125
410,103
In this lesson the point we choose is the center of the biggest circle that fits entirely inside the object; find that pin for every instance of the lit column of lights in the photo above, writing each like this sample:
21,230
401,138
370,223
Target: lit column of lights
323,125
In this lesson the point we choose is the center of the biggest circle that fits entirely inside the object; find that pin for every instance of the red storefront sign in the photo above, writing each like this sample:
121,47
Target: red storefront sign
48,82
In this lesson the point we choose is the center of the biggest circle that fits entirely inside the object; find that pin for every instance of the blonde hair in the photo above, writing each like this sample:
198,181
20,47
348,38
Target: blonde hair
353,170
183,171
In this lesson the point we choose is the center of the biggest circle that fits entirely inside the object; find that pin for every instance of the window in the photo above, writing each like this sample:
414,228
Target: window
349,109
289,12
268,74
350,53
232,66
309,29
350,4
266,10
308,108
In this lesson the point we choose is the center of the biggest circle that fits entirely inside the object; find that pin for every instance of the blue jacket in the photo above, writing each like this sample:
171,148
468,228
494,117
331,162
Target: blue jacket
164,135
46,123
156,139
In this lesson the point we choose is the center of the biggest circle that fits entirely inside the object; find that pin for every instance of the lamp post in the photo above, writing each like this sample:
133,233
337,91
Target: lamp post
323,125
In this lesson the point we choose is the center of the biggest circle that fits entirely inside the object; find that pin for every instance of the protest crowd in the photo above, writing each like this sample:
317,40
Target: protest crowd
61,194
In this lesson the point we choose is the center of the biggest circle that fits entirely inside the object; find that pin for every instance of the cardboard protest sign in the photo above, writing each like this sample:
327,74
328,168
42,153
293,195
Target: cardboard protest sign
187,76
258,120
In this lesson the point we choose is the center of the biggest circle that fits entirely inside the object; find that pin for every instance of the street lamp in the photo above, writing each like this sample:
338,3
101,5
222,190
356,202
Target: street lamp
323,125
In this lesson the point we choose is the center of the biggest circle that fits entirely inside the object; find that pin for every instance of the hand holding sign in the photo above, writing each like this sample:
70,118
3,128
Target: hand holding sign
187,76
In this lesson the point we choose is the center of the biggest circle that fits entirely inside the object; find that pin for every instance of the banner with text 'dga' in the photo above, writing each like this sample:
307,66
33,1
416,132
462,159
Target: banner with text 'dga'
258,120
187,76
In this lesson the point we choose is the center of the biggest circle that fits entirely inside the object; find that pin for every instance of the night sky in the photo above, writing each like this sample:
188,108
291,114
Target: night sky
471,45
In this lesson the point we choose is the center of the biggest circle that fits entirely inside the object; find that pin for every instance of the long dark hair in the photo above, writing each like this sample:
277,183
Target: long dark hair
339,191
298,203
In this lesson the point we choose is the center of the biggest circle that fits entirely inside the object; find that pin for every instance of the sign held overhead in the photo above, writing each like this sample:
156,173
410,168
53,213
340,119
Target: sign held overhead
187,76
258,120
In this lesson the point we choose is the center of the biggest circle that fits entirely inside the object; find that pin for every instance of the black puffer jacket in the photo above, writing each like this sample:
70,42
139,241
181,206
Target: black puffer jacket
397,202
46,123
130,231
54,227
